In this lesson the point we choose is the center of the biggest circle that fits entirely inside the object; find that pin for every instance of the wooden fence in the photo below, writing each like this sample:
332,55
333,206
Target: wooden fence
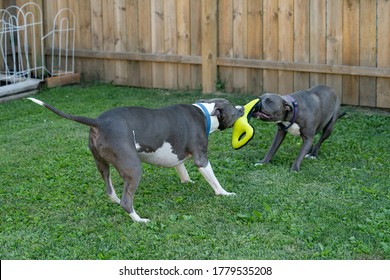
241,46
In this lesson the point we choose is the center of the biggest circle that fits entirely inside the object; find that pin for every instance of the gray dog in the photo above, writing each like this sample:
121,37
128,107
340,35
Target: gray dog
303,113
125,136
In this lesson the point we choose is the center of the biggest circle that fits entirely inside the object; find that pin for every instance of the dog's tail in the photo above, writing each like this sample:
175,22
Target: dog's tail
82,120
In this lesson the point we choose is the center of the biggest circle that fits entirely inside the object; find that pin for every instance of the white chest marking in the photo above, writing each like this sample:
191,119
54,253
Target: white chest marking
294,129
163,156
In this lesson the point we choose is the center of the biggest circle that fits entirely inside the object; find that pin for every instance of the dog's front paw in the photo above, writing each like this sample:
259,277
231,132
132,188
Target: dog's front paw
261,162
188,181
226,193
310,156
134,216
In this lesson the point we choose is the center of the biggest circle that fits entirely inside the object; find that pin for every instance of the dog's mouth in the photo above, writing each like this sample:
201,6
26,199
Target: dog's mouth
261,115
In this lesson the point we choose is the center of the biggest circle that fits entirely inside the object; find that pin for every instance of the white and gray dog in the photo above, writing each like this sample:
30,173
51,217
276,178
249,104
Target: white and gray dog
125,136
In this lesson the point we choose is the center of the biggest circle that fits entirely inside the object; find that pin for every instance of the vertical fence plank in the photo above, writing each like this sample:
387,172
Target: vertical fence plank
286,44
82,11
270,77
183,42
383,86
255,44
97,71
120,12
240,38
317,38
367,86
108,39
132,23
170,31
301,41
351,50
225,40
209,45
158,41
196,41
334,54
145,43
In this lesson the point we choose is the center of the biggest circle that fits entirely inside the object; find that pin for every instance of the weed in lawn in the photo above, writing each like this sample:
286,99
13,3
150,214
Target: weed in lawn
54,206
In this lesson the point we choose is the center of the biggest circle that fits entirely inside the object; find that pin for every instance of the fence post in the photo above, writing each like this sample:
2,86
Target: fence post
209,45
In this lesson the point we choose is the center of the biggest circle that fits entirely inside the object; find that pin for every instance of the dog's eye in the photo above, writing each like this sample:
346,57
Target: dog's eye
268,101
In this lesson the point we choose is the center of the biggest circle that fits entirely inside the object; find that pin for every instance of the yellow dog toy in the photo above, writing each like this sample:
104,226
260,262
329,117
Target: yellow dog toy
242,131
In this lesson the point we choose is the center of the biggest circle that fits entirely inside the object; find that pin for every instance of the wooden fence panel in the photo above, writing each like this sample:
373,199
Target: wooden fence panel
255,44
225,39
270,38
351,10
301,41
145,43
132,22
170,31
317,38
196,42
108,39
184,41
368,51
286,44
241,46
383,86
97,66
334,42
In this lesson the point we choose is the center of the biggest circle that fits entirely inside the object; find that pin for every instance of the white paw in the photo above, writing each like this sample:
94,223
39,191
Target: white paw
188,181
310,157
226,193
134,216
259,164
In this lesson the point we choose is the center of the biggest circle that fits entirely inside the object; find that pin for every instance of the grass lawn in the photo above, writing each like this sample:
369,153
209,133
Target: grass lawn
53,203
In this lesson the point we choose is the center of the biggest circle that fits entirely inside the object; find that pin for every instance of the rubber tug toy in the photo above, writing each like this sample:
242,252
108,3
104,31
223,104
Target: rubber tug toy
243,132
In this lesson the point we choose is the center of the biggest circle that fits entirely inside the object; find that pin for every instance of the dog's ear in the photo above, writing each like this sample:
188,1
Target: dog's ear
218,111
286,107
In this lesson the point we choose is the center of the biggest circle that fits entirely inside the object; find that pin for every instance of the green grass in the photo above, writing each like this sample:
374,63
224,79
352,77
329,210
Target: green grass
53,203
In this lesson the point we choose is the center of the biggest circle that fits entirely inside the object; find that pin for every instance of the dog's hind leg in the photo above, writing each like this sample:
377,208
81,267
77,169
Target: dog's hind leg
183,174
104,170
129,168
326,132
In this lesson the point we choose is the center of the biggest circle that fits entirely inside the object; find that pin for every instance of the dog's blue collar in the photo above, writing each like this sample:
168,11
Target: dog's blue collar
207,117
295,111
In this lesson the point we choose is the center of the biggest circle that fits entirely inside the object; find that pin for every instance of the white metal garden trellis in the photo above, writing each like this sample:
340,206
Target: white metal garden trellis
22,54
22,57
62,43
